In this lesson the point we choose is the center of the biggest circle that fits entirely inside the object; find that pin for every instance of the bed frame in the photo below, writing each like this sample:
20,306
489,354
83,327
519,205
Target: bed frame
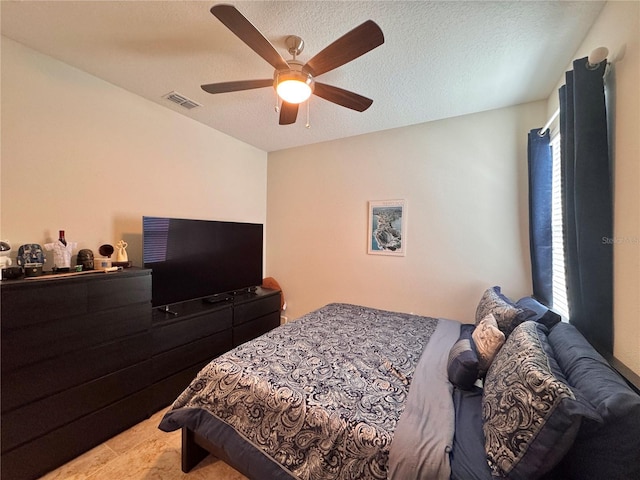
196,448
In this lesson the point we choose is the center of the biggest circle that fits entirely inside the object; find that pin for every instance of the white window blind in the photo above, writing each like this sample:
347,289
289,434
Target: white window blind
559,289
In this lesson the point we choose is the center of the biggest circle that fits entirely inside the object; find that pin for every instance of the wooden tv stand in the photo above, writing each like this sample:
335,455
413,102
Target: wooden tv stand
194,332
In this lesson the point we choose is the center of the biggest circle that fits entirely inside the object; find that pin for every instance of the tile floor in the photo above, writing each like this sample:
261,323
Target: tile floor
141,453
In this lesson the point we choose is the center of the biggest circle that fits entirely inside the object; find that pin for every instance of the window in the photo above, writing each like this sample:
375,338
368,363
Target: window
559,286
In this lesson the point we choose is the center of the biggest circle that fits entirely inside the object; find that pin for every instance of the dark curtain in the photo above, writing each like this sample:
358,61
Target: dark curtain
540,241
588,203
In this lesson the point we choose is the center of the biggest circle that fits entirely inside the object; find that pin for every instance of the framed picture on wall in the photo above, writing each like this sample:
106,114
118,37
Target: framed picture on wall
387,227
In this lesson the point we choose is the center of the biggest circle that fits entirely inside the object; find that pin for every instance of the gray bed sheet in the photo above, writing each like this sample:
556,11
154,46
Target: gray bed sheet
423,438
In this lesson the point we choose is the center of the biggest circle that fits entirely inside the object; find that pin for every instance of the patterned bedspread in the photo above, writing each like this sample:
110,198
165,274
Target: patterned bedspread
321,395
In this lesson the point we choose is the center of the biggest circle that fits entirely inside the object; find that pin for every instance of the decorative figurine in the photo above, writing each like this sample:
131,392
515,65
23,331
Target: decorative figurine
31,259
105,260
122,256
30,253
7,272
106,250
4,247
61,252
85,258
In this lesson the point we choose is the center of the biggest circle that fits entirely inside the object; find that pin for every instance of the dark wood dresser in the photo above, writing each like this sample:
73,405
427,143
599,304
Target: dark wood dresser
75,365
85,357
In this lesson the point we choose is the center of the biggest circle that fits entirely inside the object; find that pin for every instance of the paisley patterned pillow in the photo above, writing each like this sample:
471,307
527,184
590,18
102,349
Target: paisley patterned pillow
508,314
530,414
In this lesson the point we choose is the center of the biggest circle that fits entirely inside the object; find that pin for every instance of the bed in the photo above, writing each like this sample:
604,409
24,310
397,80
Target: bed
352,392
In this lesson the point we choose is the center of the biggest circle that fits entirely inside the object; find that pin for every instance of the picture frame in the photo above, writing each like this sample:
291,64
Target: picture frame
387,228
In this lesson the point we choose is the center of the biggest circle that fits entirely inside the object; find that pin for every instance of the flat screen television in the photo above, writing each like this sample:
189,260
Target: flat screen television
194,259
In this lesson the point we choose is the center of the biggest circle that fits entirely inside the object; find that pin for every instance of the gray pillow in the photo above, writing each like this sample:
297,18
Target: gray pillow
610,449
539,312
462,364
530,414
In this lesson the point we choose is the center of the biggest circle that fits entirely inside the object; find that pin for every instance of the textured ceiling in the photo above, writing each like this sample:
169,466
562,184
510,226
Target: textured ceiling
440,59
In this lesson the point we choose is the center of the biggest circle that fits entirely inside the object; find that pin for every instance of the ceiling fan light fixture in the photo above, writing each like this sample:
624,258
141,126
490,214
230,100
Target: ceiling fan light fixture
293,80
294,87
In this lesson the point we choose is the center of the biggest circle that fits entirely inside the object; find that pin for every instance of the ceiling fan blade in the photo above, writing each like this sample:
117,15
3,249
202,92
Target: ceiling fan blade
350,46
245,31
342,97
224,87
288,113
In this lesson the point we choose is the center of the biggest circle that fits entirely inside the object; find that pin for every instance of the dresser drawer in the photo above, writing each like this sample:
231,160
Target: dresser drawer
250,330
194,353
45,301
30,302
40,417
114,292
33,459
167,390
35,343
168,335
261,305
37,381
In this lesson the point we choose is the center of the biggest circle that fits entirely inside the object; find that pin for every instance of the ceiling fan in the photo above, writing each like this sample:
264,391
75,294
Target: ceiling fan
293,74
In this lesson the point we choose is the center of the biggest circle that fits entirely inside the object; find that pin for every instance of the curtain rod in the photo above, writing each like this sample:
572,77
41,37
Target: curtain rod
549,122
595,58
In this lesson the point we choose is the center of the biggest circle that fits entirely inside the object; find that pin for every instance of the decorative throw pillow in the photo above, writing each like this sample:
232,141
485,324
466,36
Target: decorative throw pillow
507,314
538,312
488,339
530,303
530,414
463,366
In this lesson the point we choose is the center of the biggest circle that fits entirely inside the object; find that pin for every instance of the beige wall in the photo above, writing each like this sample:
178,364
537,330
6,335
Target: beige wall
618,29
465,183
83,155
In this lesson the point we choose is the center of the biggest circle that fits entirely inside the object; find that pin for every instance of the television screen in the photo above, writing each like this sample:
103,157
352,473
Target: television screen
194,259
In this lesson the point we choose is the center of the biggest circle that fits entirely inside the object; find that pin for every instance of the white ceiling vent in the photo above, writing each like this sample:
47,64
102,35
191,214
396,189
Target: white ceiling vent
181,100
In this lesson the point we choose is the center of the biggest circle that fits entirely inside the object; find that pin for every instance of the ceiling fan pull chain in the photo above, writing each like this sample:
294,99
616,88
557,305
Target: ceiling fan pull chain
308,124
277,107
